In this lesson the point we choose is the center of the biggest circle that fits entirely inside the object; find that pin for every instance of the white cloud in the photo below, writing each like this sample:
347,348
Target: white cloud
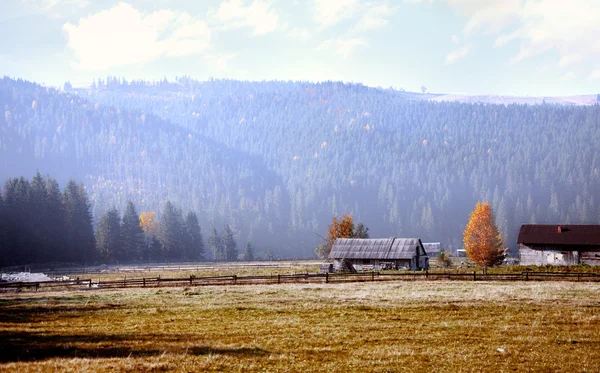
45,5
569,59
124,36
258,15
219,61
330,12
375,16
568,76
566,27
325,45
595,75
507,38
458,54
342,47
300,34
454,39
346,46
57,8
491,15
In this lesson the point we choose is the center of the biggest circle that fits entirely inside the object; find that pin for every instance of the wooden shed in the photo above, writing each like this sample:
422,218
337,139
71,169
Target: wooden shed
541,244
380,253
433,249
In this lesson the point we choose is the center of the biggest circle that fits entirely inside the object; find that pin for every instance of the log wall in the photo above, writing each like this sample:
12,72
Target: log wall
553,256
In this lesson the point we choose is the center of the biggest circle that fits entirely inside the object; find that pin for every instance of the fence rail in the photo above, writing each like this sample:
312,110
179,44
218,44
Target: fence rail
81,284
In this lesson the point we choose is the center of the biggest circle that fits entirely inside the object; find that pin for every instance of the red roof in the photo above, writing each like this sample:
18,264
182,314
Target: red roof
558,234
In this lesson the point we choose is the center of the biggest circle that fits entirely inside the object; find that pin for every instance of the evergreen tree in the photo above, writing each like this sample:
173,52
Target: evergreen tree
155,251
229,244
170,232
108,237
37,217
361,231
3,247
194,244
216,246
269,255
56,240
132,235
248,254
17,202
81,245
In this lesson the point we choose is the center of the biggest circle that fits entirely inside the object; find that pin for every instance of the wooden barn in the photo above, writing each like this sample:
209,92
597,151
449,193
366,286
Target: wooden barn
380,253
541,244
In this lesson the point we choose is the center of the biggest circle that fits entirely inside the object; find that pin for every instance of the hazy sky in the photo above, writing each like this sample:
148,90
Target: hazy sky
534,47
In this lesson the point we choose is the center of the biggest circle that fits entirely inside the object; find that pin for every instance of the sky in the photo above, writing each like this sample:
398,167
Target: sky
475,47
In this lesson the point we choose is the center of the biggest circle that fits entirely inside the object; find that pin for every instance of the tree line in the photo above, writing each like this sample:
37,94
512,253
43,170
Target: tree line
39,223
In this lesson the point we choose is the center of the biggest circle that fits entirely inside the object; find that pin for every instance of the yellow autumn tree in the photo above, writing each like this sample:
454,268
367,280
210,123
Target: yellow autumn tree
483,241
148,223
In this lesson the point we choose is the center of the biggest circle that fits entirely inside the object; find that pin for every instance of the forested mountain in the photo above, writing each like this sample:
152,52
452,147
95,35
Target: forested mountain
277,160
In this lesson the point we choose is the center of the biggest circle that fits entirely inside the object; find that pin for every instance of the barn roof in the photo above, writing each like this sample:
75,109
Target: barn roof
432,246
554,234
376,248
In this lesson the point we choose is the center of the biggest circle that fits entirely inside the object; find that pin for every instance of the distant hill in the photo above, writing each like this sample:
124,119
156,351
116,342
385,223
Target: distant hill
580,100
277,160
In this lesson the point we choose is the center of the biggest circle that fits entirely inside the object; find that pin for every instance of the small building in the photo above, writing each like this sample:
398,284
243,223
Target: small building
379,253
541,244
433,249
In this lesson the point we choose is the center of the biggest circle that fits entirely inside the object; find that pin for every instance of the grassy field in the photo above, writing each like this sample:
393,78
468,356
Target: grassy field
291,267
370,327
206,269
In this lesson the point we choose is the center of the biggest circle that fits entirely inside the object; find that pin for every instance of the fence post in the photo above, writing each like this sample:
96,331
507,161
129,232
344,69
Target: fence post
144,282
372,276
191,279
526,276
90,284
426,274
474,276
234,279
326,277
278,278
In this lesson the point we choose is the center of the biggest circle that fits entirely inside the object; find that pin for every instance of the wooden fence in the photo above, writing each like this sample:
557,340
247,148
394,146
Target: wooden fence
84,284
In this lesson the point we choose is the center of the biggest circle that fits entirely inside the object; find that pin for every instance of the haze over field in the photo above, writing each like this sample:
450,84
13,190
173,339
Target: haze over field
270,116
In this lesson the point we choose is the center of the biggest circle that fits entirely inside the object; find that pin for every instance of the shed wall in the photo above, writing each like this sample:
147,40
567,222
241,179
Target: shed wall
591,258
376,263
547,255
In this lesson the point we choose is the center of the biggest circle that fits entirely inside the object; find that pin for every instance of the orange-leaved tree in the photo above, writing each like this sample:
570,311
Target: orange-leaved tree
341,227
483,241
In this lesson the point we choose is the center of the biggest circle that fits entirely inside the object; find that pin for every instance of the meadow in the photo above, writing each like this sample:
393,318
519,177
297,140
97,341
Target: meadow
372,327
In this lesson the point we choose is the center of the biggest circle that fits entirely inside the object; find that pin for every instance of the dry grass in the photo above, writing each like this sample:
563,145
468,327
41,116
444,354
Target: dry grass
371,327
212,269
